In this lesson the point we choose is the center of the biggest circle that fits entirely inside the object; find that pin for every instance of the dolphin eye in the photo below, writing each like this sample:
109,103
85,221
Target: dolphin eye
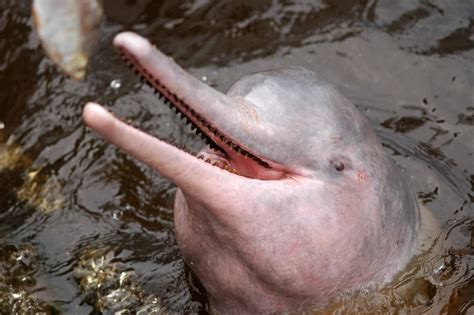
339,166
340,163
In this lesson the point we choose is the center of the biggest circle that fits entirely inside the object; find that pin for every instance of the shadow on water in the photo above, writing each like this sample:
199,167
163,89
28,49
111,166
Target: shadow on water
86,229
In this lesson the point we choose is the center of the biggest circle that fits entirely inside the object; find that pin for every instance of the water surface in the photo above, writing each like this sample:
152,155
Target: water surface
86,229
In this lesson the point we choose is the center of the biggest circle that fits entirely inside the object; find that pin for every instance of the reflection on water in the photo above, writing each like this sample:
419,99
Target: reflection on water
83,227
109,288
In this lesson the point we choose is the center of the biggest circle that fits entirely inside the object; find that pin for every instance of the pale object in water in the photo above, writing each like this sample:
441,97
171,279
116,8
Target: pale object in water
68,30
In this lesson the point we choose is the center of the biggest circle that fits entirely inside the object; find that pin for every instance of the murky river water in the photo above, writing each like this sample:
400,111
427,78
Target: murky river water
86,229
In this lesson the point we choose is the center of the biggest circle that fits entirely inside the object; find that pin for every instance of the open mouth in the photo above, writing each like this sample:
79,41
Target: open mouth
223,151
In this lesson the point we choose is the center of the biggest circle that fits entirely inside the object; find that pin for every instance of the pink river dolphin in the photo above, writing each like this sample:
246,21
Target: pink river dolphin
293,201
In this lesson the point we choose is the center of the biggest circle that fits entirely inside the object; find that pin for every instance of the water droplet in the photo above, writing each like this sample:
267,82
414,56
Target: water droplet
204,78
16,295
115,84
439,269
117,214
2,125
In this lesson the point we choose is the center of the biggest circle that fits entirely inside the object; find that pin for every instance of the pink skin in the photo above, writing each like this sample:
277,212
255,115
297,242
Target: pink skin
303,214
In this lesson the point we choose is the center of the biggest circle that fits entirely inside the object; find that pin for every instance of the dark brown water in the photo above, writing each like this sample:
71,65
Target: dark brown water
86,229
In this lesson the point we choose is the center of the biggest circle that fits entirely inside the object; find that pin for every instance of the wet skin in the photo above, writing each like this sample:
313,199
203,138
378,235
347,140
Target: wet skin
293,202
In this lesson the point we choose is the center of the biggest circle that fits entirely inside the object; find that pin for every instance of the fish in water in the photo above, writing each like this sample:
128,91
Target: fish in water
294,200
68,30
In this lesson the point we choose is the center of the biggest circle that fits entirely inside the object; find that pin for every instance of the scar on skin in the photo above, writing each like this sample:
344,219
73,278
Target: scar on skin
361,176
250,110
293,247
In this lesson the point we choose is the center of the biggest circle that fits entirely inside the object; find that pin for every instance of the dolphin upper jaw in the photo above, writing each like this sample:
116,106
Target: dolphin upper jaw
223,121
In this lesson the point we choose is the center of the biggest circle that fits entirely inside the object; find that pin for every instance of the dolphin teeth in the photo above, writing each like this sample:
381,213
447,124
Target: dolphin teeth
179,105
